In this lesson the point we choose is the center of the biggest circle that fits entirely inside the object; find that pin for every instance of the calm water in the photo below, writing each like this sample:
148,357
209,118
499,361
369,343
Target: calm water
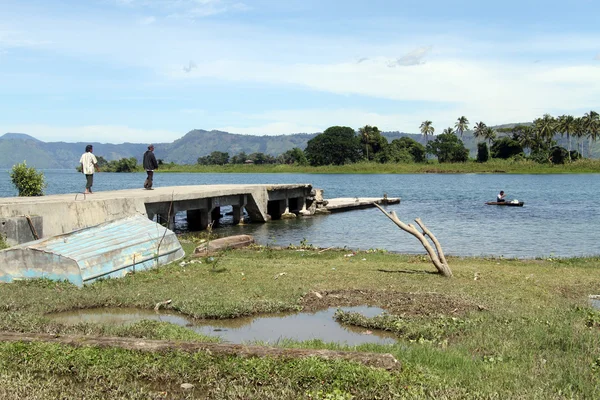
560,216
270,328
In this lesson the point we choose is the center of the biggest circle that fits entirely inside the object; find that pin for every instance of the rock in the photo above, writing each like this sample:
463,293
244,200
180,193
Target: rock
288,215
187,386
229,242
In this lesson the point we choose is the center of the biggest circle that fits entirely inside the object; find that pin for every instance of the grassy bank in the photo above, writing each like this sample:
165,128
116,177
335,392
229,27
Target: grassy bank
494,166
499,329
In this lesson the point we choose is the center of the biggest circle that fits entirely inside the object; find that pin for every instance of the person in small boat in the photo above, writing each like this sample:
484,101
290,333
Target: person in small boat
500,198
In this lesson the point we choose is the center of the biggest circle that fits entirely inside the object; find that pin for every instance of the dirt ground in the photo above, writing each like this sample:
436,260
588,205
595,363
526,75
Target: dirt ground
397,303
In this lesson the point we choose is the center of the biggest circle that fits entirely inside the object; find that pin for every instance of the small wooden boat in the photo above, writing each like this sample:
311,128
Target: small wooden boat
505,203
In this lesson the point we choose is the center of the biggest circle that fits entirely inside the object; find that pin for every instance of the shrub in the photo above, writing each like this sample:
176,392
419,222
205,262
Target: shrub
506,148
27,180
483,154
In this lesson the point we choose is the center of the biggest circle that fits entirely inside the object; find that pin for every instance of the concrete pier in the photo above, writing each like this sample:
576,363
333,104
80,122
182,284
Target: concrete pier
68,212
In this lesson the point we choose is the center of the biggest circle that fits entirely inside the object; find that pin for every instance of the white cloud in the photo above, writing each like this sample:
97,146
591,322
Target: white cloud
94,133
414,57
597,57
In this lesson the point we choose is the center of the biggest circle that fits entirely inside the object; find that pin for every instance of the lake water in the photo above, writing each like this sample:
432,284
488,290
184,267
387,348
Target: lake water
560,218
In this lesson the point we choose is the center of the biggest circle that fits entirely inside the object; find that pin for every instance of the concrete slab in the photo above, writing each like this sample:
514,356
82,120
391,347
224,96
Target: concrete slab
68,212
352,203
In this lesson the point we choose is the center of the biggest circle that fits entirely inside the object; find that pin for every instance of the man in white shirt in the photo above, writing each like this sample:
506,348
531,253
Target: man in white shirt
88,165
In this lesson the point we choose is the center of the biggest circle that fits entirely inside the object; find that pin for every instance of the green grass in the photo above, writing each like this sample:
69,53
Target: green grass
492,166
530,332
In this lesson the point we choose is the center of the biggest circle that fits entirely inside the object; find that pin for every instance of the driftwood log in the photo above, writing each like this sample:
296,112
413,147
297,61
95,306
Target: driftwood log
437,256
378,360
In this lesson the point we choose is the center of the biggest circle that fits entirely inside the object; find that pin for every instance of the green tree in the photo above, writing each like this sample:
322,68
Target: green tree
239,158
489,134
566,125
483,153
219,158
447,147
102,163
448,130
505,148
27,180
405,150
123,165
479,130
545,127
373,143
591,125
337,145
524,134
293,156
461,125
427,129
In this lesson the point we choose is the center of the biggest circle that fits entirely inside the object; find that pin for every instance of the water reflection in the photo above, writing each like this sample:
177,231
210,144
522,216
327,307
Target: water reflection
270,328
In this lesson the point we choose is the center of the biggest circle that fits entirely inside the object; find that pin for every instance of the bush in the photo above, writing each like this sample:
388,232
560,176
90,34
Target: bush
448,148
27,180
506,148
483,154
558,155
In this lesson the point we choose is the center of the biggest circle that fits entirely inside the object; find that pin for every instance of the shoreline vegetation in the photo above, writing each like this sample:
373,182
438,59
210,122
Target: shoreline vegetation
491,167
500,328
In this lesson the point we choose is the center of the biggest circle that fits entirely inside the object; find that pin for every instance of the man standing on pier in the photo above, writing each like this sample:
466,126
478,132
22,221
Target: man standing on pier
89,163
150,165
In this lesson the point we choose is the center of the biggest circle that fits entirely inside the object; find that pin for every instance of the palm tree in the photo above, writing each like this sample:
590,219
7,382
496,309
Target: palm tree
448,130
566,125
489,134
426,129
461,125
580,132
591,124
365,136
479,129
525,136
545,127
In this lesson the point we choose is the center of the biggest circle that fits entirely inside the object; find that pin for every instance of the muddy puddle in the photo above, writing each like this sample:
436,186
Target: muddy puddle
270,328
595,301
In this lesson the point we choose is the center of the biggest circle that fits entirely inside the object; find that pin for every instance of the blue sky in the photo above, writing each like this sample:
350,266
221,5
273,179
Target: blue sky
151,70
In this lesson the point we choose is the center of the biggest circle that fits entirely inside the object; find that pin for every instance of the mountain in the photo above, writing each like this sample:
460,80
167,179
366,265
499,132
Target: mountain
198,143
19,147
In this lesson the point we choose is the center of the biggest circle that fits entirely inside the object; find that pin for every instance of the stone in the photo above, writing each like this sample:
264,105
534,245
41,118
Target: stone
229,242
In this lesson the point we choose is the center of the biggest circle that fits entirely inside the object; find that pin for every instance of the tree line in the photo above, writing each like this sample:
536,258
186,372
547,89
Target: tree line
339,145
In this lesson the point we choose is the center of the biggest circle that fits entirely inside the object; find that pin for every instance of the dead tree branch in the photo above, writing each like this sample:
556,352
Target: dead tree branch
437,256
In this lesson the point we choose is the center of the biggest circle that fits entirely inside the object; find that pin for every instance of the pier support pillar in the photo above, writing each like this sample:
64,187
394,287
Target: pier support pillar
215,215
276,208
197,219
237,214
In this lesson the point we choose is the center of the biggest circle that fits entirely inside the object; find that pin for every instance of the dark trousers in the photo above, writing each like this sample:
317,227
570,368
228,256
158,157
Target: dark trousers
148,182
89,181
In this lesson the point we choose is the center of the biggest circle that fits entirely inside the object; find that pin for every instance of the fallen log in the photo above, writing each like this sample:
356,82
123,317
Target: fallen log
230,242
378,360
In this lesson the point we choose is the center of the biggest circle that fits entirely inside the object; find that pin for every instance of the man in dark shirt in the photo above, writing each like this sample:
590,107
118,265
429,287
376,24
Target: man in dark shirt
150,165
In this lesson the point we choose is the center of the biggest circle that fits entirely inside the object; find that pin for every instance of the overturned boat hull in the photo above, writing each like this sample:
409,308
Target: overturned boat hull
109,250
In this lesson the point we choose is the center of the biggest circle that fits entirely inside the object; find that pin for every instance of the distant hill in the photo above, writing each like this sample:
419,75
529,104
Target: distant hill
198,143
19,147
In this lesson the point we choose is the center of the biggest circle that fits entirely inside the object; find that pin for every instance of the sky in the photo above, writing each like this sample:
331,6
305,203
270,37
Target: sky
116,71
